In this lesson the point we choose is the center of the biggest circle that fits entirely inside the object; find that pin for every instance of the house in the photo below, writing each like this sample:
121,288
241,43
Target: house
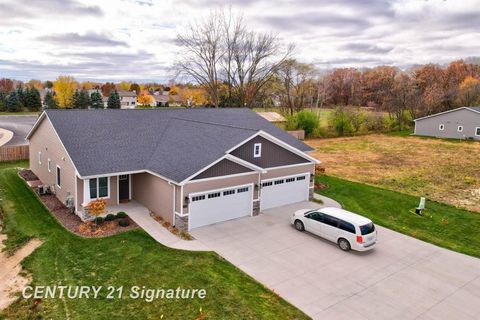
161,100
460,123
128,99
193,167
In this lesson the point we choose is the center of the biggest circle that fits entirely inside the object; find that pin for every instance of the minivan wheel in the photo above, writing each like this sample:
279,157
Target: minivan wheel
299,225
344,244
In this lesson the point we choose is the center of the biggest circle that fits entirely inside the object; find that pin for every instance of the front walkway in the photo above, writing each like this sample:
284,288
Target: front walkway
141,216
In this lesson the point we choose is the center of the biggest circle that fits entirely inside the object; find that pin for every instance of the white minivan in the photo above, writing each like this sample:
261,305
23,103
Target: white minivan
347,229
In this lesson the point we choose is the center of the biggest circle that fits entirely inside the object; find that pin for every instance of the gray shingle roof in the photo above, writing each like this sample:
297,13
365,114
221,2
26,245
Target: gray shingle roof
475,108
173,143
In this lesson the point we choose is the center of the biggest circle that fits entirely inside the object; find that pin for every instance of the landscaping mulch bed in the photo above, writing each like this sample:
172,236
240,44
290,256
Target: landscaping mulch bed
27,175
72,222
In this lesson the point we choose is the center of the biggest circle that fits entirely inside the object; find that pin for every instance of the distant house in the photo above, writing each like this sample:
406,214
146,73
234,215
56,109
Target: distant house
128,99
460,123
43,93
161,100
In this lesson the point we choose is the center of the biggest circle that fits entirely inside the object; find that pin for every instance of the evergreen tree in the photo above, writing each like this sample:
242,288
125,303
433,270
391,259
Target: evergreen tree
76,100
113,100
13,102
22,97
33,102
97,101
83,100
49,101
3,101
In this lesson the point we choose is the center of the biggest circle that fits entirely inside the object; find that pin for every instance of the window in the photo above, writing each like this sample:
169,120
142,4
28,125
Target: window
477,131
289,180
317,216
39,157
346,226
267,184
331,221
213,195
460,129
49,165
279,181
301,178
257,150
123,177
441,127
228,192
367,229
59,180
198,198
98,187
240,190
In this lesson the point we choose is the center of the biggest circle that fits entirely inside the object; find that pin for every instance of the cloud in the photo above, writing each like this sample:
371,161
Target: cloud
88,39
366,48
313,20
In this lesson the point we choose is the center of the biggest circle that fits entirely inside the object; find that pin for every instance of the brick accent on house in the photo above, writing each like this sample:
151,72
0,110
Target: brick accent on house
256,207
181,223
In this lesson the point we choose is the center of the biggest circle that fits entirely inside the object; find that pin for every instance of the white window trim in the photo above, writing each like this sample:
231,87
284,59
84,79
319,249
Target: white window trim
476,132
108,188
460,128
255,154
49,165
39,157
56,176
441,127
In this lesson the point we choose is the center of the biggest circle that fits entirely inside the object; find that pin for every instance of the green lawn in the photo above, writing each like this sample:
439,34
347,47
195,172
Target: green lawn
128,259
442,225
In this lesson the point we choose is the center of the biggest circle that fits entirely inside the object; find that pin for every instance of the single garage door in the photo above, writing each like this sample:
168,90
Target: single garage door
284,190
220,205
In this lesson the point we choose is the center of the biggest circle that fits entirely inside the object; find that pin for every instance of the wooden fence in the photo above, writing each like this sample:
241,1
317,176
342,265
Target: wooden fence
9,153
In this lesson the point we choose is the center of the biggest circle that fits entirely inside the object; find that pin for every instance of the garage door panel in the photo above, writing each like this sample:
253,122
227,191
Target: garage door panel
284,190
216,206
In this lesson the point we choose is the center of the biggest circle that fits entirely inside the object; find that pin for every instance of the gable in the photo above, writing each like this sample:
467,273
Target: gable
272,155
223,168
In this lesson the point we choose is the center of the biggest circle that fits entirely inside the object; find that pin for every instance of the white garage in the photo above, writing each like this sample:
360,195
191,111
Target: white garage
284,190
220,205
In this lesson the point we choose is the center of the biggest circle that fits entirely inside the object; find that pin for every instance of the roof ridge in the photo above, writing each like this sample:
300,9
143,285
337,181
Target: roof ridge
148,160
215,124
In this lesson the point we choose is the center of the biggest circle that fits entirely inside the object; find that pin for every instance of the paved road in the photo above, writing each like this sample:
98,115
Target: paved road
402,278
19,125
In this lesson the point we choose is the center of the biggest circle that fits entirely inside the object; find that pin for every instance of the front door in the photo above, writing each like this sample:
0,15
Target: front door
124,188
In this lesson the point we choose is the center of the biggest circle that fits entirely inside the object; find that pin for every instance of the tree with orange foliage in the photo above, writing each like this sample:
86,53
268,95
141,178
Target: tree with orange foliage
144,98
469,94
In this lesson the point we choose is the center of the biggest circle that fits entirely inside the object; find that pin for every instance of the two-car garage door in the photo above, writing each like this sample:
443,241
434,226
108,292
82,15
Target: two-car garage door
220,205
284,190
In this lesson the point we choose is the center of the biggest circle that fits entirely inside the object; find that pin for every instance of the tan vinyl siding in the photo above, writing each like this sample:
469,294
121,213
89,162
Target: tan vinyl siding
154,193
272,154
46,141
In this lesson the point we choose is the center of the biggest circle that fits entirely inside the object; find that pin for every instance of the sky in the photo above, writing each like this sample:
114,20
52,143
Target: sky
134,40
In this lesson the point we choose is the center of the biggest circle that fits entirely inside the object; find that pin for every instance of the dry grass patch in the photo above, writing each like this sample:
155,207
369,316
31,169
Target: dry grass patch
445,171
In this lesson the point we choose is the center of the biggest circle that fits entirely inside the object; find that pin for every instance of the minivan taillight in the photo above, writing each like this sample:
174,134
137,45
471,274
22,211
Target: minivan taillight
359,239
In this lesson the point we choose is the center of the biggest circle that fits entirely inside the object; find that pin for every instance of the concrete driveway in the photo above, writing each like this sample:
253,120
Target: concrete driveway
19,125
402,278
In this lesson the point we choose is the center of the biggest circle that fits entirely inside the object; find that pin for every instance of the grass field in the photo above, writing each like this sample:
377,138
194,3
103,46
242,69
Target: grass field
442,170
442,225
129,259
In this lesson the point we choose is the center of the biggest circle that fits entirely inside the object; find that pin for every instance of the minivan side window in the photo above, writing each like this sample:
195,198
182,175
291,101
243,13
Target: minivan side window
317,216
331,221
346,226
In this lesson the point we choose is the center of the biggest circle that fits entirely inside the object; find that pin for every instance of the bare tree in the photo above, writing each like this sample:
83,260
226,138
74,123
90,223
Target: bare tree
221,50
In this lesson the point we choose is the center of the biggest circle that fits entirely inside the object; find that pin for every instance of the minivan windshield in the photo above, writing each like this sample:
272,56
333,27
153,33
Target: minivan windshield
367,229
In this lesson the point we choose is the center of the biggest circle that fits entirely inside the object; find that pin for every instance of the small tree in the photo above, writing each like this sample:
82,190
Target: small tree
342,122
114,100
308,121
13,102
33,102
3,100
49,102
96,100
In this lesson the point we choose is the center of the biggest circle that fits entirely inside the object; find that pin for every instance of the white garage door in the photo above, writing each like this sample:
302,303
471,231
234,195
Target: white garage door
285,190
216,206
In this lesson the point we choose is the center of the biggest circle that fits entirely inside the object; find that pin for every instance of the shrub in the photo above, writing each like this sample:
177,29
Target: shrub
110,217
292,122
308,121
121,214
123,223
98,220
97,207
342,122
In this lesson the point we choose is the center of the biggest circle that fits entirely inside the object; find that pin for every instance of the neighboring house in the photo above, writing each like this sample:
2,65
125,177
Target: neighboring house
128,99
461,123
193,167
161,100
